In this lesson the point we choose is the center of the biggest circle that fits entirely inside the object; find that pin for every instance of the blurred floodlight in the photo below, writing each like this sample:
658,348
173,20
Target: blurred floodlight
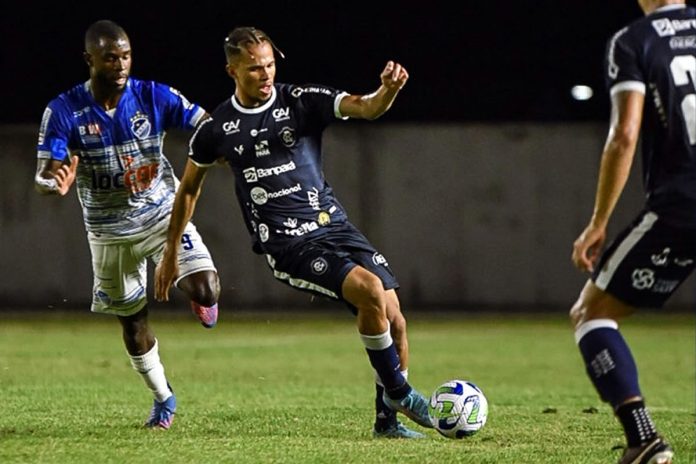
581,92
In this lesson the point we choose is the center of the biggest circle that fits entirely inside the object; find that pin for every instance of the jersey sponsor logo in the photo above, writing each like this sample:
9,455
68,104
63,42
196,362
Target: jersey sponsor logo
91,128
301,229
134,179
260,196
380,260
682,42
44,124
683,262
666,27
643,278
254,174
665,286
287,136
262,149
313,197
660,259
230,127
297,91
255,132
264,233
319,266
281,114
324,218
239,149
140,125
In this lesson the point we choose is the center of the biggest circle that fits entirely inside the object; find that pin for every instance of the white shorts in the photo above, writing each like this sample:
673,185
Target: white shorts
120,266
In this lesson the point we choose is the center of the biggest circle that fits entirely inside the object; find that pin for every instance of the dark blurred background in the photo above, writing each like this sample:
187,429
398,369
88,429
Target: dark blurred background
474,185
469,61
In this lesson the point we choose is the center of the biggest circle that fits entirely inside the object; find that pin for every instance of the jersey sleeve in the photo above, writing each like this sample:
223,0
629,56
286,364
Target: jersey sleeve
180,112
321,102
55,132
202,144
623,71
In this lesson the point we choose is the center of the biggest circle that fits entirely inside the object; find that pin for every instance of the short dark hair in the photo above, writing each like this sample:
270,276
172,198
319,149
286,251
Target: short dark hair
103,28
244,36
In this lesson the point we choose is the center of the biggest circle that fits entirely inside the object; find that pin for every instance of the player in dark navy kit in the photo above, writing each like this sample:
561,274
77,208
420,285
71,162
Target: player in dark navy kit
651,75
270,135
106,135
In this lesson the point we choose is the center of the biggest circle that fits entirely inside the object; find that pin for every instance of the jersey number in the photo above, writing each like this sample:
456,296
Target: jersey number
682,67
186,242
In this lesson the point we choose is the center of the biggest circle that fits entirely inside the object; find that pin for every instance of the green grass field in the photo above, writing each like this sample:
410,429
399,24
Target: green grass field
270,388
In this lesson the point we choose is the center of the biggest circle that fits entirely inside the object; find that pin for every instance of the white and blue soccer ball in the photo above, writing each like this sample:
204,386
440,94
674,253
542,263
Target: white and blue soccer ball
458,409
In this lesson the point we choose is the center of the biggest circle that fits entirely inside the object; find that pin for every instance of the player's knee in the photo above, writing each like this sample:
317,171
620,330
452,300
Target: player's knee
371,298
578,313
203,288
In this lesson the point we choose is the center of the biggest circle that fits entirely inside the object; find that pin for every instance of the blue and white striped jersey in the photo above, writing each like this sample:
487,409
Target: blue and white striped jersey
125,183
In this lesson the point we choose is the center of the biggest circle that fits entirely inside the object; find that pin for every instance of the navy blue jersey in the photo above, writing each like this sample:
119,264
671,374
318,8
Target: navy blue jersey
124,181
656,55
275,154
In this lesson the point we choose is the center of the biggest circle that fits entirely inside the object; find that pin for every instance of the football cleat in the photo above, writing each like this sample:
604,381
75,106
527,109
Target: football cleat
396,430
414,406
656,451
162,414
208,315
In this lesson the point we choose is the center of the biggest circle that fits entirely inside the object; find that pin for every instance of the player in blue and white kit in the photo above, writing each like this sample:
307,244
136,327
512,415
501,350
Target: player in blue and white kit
651,75
107,135
270,135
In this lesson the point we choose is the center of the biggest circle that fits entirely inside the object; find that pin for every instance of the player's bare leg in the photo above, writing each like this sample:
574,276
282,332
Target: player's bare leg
143,351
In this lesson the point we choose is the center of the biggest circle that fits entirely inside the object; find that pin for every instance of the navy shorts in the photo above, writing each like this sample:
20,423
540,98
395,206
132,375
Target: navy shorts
320,265
647,262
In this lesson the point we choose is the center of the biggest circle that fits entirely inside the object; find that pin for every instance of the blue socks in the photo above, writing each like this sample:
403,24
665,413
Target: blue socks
385,360
608,360
613,372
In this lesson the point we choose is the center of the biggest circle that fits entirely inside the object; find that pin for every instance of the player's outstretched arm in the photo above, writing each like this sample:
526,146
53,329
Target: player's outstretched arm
615,167
54,177
374,105
184,205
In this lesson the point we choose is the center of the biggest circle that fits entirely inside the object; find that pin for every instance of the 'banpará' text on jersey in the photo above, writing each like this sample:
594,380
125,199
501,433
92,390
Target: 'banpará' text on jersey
124,181
274,151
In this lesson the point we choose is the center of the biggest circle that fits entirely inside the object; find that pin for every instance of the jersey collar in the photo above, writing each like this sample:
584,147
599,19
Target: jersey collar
678,6
259,109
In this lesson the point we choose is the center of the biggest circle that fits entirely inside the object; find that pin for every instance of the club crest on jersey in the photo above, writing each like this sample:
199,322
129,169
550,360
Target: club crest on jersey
319,266
287,136
140,125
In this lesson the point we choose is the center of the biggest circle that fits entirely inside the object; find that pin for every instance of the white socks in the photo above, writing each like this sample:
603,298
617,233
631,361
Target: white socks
152,371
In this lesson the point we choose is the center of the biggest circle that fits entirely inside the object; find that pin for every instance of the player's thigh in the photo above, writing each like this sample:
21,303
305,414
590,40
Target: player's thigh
313,269
193,254
647,262
119,278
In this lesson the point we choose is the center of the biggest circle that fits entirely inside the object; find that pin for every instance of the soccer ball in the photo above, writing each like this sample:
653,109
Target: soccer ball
458,409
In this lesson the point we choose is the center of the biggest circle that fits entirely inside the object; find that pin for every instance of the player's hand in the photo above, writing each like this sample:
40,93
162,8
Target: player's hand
588,246
65,175
166,271
394,76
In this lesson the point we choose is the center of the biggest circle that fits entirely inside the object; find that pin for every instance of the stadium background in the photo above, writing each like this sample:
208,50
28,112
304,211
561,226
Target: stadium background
474,185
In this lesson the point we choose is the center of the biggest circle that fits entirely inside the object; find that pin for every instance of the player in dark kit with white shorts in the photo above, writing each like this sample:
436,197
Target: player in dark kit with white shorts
651,75
270,135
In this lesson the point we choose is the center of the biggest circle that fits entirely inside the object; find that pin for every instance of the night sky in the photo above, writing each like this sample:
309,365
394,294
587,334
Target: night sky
508,60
